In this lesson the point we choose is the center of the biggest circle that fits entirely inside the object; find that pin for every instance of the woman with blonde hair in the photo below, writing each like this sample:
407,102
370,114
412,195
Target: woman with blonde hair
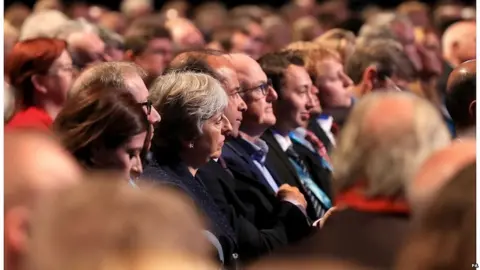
340,40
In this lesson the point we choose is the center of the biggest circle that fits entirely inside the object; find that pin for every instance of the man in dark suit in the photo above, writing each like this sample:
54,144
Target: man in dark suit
281,222
390,144
288,157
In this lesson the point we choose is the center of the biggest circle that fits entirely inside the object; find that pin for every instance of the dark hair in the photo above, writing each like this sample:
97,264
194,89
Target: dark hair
196,61
444,237
224,36
387,55
99,116
460,94
275,64
138,37
28,58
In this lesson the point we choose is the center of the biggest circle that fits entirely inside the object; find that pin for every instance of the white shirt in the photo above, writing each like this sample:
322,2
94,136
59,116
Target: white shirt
284,142
326,125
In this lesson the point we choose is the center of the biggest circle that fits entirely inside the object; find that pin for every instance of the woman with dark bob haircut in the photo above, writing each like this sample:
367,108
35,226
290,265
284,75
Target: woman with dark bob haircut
105,129
40,72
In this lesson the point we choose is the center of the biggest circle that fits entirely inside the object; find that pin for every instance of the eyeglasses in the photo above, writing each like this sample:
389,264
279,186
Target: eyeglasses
263,87
148,105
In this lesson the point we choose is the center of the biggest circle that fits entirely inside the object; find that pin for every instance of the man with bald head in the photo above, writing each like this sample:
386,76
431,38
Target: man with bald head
459,42
254,238
437,171
461,100
384,142
35,166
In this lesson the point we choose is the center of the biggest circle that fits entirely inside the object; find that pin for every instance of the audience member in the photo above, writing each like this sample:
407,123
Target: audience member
16,14
114,44
287,156
10,37
459,43
379,64
381,147
444,237
338,40
149,45
191,133
40,71
29,179
105,224
436,171
105,129
461,101
185,35
42,24
8,102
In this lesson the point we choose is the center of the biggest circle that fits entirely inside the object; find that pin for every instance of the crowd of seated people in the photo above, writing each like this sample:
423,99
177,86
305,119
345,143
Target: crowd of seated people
313,136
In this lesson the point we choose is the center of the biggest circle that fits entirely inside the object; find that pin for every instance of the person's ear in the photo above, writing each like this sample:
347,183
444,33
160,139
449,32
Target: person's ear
38,84
129,56
17,228
370,79
472,109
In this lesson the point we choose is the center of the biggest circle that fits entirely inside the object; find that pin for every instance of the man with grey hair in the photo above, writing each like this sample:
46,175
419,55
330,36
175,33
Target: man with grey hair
383,144
379,64
121,75
84,43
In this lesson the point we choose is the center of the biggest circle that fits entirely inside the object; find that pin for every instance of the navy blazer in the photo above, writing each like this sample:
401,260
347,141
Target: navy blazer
175,173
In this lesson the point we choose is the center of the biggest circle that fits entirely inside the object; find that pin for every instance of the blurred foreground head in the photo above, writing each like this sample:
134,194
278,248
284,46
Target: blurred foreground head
35,166
437,171
106,224
386,139
444,237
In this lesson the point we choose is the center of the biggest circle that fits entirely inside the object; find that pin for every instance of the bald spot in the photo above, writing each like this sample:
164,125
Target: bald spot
390,115
35,162
246,67
457,32
440,168
465,73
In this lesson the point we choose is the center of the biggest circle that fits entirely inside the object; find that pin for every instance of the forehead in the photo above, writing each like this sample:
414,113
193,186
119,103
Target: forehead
160,42
137,87
249,71
297,75
231,78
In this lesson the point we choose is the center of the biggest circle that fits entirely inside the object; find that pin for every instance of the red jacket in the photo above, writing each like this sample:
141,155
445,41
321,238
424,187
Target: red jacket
31,117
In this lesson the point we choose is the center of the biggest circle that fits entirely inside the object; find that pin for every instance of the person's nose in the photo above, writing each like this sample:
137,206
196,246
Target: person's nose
242,106
309,104
227,126
154,117
272,94
137,168
347,82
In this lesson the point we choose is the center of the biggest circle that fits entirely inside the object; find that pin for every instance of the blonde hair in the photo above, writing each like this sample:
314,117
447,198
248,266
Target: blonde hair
340,40
389,158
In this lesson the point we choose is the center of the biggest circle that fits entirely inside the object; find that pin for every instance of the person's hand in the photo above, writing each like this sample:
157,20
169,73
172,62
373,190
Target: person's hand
289,193
320,222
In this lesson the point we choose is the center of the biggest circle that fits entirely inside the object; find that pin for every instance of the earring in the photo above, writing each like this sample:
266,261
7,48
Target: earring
190,145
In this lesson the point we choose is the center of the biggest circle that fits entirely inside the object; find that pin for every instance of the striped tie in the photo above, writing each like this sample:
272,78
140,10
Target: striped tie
317,207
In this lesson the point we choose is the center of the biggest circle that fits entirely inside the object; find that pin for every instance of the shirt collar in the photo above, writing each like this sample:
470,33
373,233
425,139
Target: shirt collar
257,150
325,122
283,141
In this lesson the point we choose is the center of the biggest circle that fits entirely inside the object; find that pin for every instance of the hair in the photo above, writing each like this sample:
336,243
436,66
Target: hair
444,237
28,58
99,116
276,64
104,223
312,55
380,26
387,158
386,54
111,39
225,34
340,40
141,33
108,75
185,100
42,24
459,96
195,61
304,27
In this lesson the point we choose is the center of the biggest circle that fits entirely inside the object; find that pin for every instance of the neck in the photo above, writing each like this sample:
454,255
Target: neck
189,159
253,132
49,107
249,138
282,129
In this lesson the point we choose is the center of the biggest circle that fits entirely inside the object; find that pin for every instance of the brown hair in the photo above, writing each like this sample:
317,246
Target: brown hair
444,237
142,32
99,116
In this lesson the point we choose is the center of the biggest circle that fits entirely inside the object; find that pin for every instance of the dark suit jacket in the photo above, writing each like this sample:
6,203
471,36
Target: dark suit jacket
173,172
320,133
284,224
277,160
365,238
